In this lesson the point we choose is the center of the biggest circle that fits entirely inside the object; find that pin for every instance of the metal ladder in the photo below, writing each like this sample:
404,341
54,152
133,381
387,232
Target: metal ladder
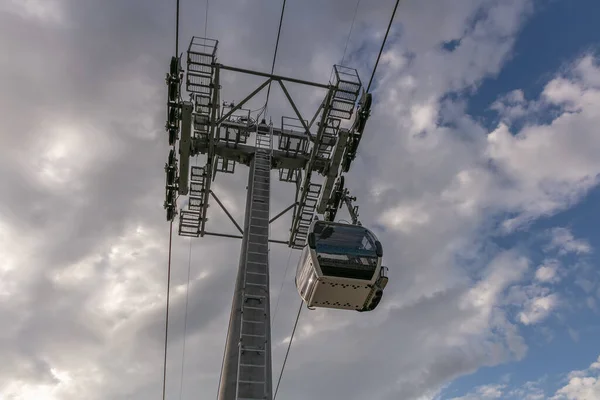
201,57
329,138
191,218
308,205
254,355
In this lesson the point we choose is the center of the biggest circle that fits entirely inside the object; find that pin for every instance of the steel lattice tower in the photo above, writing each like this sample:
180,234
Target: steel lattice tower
304,151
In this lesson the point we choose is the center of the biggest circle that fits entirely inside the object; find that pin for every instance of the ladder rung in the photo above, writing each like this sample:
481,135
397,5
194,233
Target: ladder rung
262,264
260,243
259,234
254,296
256,284
258,226
256,349
255,308
253,382
252,321
256,273
253,365
250,335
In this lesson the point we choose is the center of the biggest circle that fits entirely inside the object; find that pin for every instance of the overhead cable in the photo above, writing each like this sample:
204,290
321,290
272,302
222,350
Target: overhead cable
275,53
383,45
287,267
167,312
288,349
206,20
185,319
350,33
164,386
177,30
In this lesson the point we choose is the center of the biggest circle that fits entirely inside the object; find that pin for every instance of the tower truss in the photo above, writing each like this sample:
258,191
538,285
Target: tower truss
310,154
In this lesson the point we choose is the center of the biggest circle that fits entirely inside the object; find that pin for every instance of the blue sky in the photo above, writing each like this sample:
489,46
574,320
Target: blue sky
557,33
554,35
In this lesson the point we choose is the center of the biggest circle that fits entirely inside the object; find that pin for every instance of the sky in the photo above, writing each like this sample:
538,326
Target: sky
478,172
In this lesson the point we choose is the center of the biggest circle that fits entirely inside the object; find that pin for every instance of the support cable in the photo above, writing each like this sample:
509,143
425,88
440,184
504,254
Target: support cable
274,57
185,320
167,312
383,45
164,388
187,288
350,33
287,266
206,20
288,349
177,30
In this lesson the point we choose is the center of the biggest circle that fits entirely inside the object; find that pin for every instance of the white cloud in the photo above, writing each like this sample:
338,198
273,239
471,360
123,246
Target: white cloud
405,217
538,309
563,240
582,385
47,11
484,393
513,106
526,180
548,272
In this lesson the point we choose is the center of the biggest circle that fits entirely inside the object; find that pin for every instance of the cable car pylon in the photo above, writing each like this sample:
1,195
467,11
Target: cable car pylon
310,154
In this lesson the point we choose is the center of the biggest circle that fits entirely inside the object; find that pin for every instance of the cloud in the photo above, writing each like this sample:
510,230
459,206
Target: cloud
45,11
582,385
514,107
538,309
83,237
548,272
526,181
564,242
484,392
528,391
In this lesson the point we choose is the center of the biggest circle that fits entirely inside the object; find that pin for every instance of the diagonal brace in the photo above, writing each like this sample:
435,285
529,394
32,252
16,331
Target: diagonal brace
283,212
287,94
241,103
226,212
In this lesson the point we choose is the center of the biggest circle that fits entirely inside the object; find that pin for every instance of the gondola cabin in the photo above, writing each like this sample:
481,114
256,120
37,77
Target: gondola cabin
340,267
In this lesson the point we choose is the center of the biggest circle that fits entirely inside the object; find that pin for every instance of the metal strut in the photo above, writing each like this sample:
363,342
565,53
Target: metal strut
353,210
340,197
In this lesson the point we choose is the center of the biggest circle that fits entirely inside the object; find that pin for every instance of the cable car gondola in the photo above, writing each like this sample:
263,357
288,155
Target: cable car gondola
340,267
